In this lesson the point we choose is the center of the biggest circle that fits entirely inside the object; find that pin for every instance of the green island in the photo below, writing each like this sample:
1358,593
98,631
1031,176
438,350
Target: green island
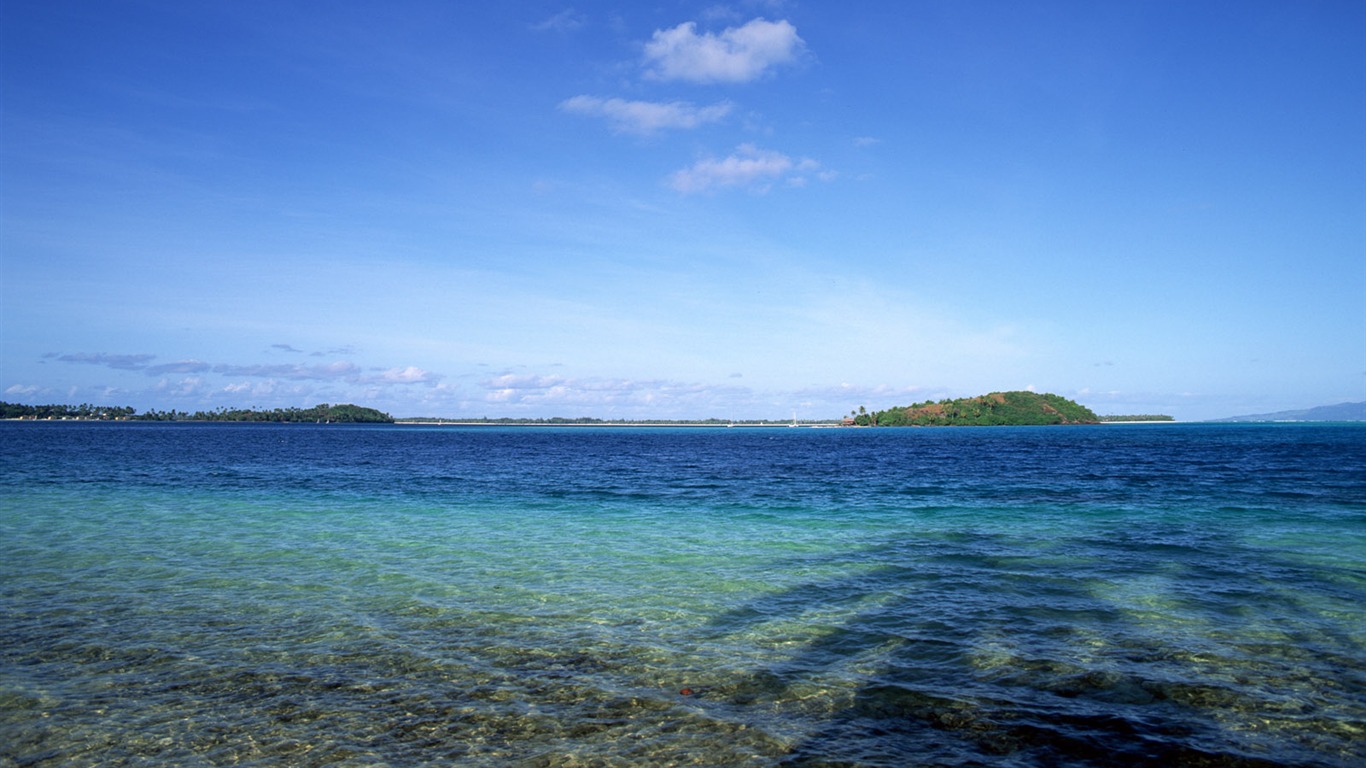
1137,417
998,409
324,413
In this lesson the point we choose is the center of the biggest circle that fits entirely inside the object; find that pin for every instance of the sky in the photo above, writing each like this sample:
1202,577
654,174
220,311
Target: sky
735,210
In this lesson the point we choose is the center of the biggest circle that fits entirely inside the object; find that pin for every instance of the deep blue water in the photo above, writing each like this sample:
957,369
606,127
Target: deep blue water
213,594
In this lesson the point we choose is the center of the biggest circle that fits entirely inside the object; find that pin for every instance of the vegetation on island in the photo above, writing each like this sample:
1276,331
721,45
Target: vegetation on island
324,413
84,411
997,409
1138,417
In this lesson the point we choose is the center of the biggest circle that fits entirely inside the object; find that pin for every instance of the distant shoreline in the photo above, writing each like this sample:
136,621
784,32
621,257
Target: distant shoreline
689,424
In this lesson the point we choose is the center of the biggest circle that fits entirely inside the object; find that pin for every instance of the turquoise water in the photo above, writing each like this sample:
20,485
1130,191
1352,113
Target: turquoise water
214,594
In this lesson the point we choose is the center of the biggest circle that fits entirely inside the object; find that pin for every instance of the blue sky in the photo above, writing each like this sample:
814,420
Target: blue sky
679,209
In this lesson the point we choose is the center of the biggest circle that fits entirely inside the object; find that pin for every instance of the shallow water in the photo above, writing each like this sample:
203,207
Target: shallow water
327,595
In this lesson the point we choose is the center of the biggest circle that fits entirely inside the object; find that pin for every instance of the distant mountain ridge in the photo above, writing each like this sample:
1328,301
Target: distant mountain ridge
1339,412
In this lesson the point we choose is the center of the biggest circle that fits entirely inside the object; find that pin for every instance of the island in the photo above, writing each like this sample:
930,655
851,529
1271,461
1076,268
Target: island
323,413
997,409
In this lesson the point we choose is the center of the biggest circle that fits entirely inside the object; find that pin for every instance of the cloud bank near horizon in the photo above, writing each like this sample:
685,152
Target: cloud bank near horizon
200,385
339,370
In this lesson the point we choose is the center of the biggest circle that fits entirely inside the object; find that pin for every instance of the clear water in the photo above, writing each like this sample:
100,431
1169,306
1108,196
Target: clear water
215,594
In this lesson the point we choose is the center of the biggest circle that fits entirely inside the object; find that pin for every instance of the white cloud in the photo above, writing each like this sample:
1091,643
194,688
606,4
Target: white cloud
748,166
567,20
659,397
190,386
258,389
409,375
737,55
646,117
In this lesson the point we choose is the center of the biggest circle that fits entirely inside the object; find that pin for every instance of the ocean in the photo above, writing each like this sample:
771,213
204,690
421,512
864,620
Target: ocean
317,595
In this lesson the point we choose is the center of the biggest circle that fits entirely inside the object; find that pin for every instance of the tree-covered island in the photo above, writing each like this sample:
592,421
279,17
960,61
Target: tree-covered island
324,413
998,409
